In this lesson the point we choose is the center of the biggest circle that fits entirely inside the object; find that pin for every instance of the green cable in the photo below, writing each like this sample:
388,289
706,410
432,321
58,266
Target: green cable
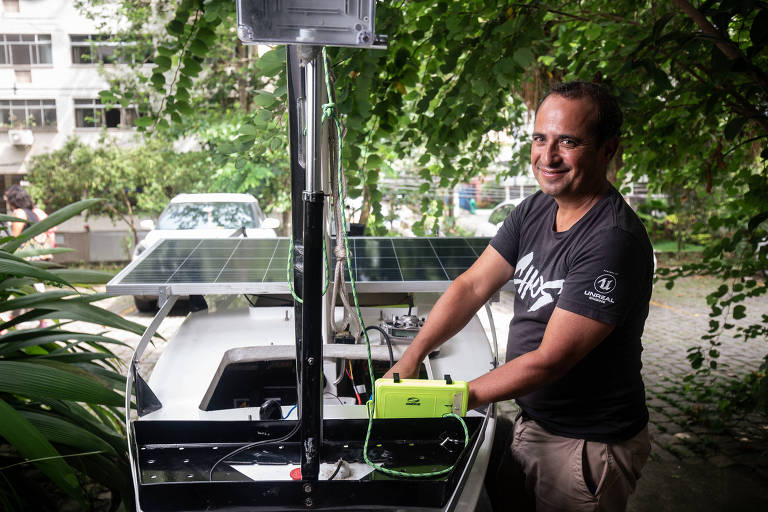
288,272
329,112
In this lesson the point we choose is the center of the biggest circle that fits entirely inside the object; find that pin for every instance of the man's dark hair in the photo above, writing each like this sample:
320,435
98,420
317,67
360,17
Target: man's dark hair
18,197
609,117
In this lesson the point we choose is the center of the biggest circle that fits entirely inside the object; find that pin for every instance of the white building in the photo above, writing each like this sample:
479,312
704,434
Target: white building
50,77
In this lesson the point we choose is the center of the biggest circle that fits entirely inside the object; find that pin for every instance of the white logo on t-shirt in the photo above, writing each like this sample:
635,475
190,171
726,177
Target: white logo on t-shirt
605,283
532,283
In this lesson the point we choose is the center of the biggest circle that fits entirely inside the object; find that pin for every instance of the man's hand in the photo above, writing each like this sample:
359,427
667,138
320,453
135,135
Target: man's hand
454,309
406,368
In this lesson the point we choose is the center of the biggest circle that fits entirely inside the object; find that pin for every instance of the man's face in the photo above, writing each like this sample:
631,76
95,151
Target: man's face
567,160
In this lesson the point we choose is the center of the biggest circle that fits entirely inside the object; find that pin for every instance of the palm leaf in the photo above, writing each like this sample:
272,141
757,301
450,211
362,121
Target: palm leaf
93,340
61,431
77,357
16,268
86,419
77,276
11,218
33,445
29,253
33,299
76,310
49,380
52,220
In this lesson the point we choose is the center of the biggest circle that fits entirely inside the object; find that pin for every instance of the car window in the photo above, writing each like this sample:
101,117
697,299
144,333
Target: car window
208,216
500,213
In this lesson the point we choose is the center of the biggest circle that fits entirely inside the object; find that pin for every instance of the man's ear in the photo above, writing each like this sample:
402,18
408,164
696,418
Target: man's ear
609,147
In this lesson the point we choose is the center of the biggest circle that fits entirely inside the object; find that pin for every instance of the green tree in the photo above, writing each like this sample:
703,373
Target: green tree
691,77
129,180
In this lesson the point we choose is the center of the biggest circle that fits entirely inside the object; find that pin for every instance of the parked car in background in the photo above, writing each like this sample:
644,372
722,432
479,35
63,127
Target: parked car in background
204,216
497,216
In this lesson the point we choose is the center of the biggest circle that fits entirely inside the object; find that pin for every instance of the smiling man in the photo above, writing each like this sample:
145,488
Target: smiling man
582,266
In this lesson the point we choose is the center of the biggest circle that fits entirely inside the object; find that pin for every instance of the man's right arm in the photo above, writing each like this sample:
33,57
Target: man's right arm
455,308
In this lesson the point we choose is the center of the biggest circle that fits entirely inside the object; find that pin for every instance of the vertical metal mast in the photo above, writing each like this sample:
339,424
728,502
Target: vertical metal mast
303,26
305,66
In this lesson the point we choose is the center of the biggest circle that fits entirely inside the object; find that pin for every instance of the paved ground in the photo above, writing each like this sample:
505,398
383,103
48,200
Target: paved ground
693,466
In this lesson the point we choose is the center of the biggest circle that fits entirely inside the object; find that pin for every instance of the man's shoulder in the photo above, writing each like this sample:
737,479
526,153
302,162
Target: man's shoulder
535,203
624,218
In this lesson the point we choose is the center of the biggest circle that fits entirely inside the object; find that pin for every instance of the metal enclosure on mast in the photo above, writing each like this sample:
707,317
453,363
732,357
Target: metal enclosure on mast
306,26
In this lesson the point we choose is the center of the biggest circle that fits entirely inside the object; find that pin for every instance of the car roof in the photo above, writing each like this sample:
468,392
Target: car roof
516,202
214,198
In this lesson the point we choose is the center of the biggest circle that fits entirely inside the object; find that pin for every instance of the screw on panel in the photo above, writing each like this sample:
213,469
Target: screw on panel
310,361
309,502
307,487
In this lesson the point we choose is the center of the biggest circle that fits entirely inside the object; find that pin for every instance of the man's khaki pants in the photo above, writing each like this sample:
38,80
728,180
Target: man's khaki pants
551,473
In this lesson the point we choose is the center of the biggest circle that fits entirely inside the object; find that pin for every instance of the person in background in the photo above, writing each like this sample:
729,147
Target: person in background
20,205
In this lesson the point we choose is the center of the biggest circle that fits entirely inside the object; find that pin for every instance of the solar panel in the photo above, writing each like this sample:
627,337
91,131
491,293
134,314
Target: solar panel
258,265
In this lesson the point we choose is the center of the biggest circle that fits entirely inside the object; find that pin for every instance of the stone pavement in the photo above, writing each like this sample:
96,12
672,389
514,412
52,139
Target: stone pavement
693,466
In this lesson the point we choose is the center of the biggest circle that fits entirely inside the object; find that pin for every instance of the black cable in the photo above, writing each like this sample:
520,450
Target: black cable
336,471
334,396
386,338
253,445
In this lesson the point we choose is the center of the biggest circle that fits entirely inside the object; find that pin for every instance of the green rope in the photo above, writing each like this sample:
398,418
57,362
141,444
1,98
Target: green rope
329,112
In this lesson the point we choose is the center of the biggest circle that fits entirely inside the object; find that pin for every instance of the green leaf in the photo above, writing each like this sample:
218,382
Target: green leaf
207,36
263,99
162,63
158,81
61,431
192,67
272,62
26,269
198,47
31,443
78,276
175,27
107,97
424,188
734,126
739,312
34,299
184,107
53,380
144,121
249,130
523,56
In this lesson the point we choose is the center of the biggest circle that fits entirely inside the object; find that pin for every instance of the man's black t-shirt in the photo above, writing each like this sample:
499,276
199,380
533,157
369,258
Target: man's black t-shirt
601,268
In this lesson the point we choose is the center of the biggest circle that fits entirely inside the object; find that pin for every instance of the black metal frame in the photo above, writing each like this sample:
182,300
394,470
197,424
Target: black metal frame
179,449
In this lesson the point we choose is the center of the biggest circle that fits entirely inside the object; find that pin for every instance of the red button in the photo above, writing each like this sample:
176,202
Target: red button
296,474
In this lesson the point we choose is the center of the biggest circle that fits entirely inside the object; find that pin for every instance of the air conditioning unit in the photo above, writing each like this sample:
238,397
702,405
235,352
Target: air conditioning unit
21,137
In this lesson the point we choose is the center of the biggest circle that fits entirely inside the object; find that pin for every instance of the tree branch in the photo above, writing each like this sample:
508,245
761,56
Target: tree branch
724,44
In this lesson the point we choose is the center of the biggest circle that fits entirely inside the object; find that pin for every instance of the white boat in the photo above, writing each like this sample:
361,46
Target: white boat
228,420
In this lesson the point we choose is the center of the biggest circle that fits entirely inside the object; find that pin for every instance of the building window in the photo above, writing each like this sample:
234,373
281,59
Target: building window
31,114
93,49
23,76
25,49
90,113
11,5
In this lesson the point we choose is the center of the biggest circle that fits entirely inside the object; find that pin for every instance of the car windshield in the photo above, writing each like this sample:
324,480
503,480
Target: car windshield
500,213
208,216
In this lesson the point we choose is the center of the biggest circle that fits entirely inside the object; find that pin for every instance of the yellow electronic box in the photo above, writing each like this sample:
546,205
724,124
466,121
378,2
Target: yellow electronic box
419,398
